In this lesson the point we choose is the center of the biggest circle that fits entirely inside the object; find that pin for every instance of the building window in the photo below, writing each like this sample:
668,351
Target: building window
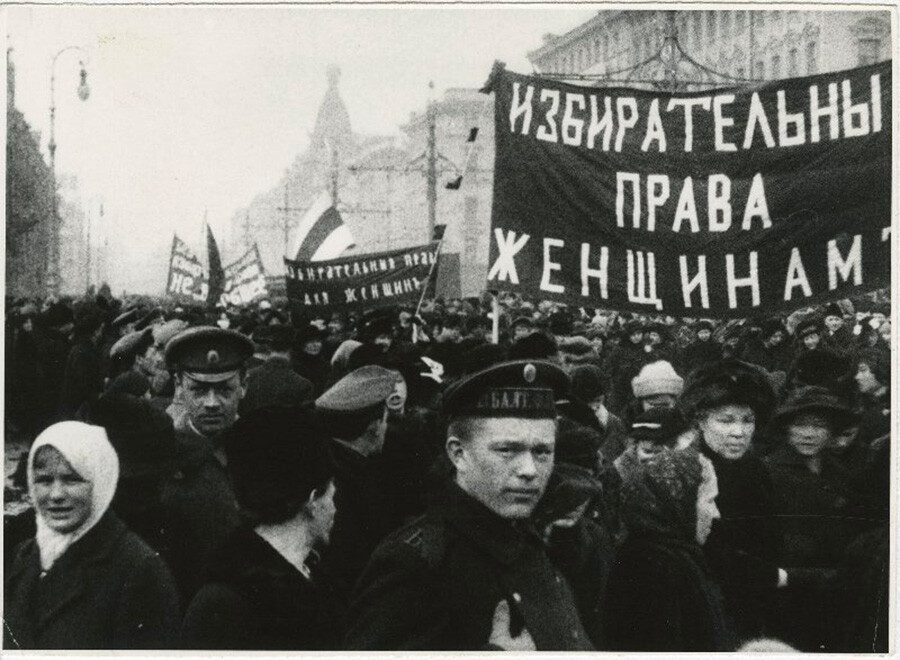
711,26
740,72
726,24
792,63
776,67
869,51
760,72
698,28
739,21
812,55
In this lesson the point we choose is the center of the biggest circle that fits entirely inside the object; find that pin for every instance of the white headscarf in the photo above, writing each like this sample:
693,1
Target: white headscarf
88,451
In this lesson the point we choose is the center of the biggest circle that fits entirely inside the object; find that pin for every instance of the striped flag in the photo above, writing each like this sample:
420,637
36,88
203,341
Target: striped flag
322,234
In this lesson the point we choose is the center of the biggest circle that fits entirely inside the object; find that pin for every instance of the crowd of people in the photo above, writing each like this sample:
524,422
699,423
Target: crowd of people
484,473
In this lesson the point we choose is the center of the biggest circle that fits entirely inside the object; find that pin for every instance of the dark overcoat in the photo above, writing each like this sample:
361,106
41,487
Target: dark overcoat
435,583
109,590
661,597
254,599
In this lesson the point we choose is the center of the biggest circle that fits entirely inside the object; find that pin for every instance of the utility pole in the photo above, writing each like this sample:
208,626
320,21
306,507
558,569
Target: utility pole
87,275
431,166
670,53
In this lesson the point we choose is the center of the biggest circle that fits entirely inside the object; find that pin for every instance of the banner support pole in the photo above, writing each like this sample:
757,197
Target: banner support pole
495,308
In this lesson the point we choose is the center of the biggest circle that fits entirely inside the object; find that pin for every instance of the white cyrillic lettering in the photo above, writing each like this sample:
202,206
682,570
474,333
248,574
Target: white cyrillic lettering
625,123
635,180
548,133
757,117
838,265
523,109
689,105
601,273
655,132
642,278
505,266
721,122
657,194
688,284
604,125
733,282
550,266
687,208
718,201
756,204
796,276
785,120
830,111
572,128
851,110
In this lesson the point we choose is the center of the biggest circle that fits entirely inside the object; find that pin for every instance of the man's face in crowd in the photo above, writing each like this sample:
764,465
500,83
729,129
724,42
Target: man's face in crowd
865,378
657,401
833,323
335,326
636,337
384,340
703,334
396,401
504,462
211,407
521,331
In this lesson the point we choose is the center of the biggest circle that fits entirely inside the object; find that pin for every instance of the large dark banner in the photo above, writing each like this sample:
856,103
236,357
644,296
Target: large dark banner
723,203
359,282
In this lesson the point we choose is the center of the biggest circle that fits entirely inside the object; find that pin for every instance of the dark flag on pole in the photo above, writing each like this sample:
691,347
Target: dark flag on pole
216,271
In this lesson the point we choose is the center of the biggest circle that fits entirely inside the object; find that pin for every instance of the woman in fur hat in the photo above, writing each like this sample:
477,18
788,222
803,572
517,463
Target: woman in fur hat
725,402
623,363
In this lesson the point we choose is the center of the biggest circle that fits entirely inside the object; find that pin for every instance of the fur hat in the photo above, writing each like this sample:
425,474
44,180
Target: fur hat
588,382
728,382
814,399
808,326
833,309
823,368
657,378
771,326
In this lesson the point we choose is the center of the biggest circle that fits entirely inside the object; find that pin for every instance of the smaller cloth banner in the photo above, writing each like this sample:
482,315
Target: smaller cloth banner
383,278
245,280
187,281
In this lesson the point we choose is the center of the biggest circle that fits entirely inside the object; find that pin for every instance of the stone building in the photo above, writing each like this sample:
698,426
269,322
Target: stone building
29,202
730,46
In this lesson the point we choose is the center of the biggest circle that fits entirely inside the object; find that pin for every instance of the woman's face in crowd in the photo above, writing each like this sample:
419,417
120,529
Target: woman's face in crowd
808,434
728,430
704,334
707,511
834,323
62,497
865,379
312,347
636,337
811,341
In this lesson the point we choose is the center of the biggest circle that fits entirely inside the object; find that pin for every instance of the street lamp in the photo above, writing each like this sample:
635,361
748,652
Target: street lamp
83,93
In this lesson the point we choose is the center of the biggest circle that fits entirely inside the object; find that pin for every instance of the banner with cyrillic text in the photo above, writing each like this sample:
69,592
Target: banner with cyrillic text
187,281
245,279
730,202
378,279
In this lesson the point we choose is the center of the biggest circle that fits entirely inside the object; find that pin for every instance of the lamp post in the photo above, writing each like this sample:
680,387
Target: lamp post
83,93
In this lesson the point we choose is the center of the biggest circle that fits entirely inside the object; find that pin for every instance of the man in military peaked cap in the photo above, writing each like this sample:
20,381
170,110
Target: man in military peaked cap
208,366
474,573
354,412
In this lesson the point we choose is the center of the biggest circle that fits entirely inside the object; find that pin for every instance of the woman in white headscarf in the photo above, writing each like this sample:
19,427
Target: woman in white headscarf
85,581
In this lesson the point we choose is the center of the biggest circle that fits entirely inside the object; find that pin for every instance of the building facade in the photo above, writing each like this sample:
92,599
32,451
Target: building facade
731,47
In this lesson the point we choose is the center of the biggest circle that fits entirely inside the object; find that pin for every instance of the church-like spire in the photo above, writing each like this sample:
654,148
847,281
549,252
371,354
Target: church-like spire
332,129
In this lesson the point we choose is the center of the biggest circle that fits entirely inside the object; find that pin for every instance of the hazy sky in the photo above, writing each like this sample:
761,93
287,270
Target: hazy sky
195,108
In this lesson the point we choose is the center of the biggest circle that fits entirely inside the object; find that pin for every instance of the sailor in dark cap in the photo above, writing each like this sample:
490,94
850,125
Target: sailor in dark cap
208,364
473,572
354,412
